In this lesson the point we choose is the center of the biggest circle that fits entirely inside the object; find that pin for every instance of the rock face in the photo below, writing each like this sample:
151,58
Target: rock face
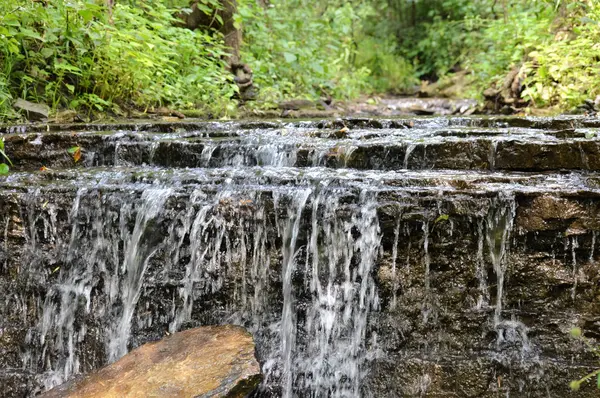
32,111
211,361
409,257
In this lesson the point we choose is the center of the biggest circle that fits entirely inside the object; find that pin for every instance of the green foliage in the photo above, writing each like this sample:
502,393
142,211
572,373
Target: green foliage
79,54
75,54
436,34
504,43
565,70
441,217
555,41
3,166
389,71
575,385
299,48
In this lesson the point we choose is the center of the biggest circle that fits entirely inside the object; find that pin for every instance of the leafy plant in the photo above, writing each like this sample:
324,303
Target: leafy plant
390,72
3,166
75,153
299,48
564,71
84,55
576,384
76,54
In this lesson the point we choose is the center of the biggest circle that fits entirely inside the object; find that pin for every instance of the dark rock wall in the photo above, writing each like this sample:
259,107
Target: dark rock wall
432,331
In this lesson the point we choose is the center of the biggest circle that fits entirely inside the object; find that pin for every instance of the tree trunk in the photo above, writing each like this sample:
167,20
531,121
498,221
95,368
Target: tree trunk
232,35
109,7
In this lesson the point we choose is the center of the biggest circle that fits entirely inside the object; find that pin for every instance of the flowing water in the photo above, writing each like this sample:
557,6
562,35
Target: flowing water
387,261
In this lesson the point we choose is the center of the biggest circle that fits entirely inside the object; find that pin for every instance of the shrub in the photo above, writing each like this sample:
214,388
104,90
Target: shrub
71,54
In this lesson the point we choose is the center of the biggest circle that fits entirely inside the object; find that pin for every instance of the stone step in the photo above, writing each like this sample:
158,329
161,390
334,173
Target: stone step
463,148
265,179
555,123
218,237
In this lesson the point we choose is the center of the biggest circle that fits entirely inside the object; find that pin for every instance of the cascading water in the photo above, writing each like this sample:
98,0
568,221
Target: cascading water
332,251
91,251
343,297
426,310
136,257
499,227
512,342
288,335
483,299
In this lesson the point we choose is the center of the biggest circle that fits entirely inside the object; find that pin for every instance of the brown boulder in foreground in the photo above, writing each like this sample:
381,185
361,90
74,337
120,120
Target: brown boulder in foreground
211,361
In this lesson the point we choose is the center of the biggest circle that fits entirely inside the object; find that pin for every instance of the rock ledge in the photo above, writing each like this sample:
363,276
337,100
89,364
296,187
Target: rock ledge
211,361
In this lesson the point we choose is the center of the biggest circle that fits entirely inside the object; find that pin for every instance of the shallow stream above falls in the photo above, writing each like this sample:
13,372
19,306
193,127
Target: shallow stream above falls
439,257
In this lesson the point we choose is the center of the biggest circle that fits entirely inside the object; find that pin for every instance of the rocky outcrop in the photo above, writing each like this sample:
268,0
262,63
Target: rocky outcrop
211,361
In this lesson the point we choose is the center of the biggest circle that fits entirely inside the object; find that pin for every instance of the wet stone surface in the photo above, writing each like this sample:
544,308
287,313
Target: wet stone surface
210,361
410,257
432,143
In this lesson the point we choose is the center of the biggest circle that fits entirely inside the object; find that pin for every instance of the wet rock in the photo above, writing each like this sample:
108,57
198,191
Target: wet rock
243,78
402,106
522,144
166,112
33,112
421,110
549,212
588,107
211,361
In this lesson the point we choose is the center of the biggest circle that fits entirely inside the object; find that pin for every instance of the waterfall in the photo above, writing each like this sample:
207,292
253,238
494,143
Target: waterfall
499,226
91,248
288,334
348,283
343,295
137,253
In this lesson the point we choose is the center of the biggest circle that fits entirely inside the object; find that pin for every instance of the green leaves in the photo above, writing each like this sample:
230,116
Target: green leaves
62,67
66,53
297,51
442,217
3,166
30,34
75,153
289,57
87,14
575,385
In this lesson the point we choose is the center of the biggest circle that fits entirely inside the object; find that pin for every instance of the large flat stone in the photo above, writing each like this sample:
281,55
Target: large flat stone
210,361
